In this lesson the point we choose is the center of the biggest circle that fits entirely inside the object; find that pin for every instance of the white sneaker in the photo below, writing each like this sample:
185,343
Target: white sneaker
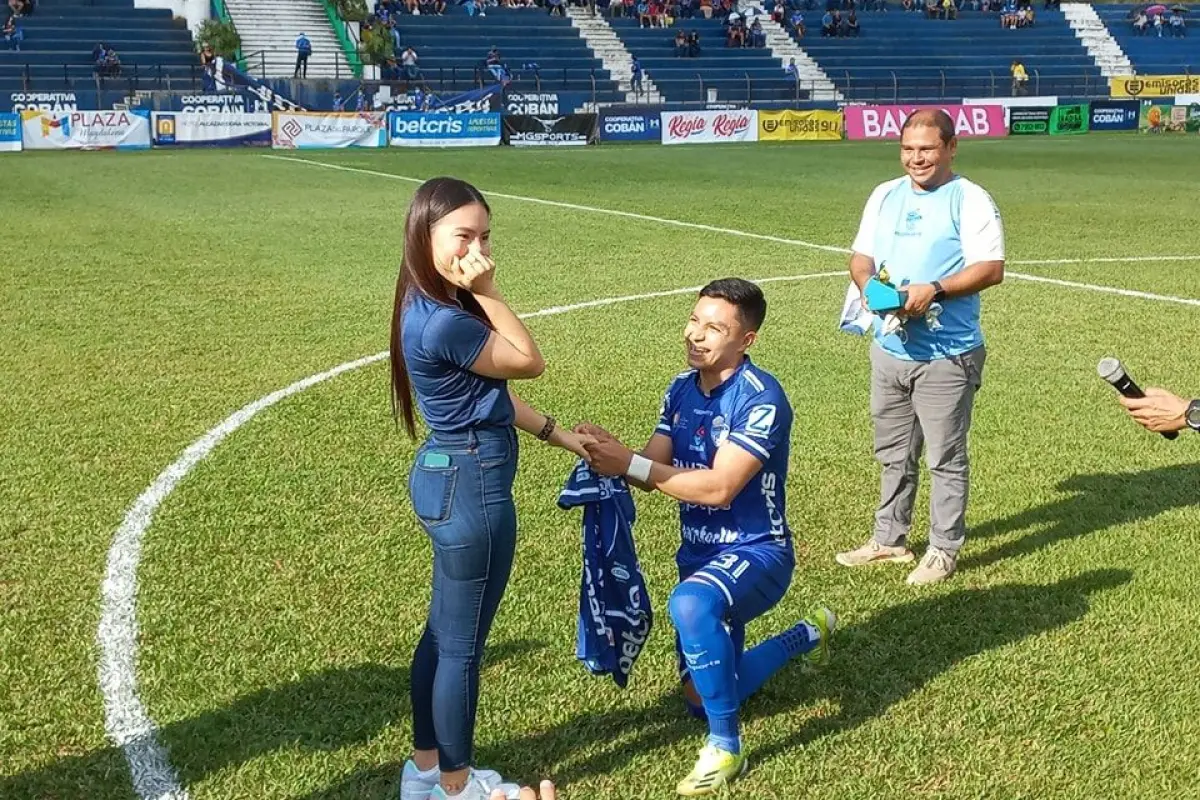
417,785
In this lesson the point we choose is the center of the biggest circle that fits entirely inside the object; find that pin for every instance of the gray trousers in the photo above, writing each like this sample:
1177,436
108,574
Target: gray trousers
914,404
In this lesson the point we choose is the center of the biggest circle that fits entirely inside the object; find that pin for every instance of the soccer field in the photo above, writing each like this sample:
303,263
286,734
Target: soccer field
281,580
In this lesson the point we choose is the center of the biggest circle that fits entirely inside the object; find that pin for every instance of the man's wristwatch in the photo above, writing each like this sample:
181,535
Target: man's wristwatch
939,294
1193,415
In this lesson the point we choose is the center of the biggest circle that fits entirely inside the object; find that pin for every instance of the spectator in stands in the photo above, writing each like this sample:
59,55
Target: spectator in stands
693,44
555,7
777,13
791,70
949,9
1020,78
758,37
827,26
303,51
106,62
908,5
635,75
20,8
208,67
933,9
798,23
408,64
12,33
851,24
706,9
1177,26
735,31
680,44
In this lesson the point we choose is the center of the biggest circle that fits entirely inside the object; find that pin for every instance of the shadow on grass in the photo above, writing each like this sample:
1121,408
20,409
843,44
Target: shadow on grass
877,663
1098,502
325,711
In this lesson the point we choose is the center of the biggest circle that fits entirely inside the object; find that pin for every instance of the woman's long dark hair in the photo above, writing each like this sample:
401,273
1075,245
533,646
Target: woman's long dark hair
436,198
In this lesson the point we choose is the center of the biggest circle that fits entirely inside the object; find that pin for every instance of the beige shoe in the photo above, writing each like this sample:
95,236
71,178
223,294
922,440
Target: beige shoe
873,552
937,565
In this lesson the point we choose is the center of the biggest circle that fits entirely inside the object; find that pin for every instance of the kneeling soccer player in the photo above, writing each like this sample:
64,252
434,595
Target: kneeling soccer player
721,450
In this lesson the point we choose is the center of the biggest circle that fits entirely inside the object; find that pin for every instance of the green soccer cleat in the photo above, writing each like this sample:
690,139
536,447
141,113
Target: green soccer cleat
825,622
714,769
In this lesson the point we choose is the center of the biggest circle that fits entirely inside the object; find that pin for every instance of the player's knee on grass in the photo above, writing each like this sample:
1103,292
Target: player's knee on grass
696,608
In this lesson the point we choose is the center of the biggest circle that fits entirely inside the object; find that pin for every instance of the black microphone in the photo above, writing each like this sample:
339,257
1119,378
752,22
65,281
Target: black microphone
1112,371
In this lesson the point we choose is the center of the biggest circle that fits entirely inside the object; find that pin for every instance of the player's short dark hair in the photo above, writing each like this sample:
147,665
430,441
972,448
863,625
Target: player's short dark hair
931,118
744,294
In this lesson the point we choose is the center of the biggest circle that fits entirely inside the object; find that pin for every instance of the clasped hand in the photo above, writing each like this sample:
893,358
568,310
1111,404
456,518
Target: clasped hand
606,454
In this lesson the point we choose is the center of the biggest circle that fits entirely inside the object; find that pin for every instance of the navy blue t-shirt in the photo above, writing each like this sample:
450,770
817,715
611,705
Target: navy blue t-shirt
440,343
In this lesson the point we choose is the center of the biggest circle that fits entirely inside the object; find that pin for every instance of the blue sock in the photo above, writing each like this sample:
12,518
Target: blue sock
697,609
764,660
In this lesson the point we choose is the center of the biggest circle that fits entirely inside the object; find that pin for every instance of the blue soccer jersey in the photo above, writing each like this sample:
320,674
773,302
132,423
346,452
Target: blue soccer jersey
749,410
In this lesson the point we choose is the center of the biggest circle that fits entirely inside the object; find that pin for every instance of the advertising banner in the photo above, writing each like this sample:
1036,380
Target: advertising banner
1169,119
416,129
1028,121
1114,115
885,122
85,130
796,126
1153,85
43,101
697,127
544,104
300,130
629,127
573,129
10,133
1069,119
217,129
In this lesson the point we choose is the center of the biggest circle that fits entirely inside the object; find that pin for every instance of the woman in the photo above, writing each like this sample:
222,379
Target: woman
455,343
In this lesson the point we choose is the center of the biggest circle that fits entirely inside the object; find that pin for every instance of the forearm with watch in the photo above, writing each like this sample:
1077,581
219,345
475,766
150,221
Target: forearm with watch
542,426
972,280
1192,415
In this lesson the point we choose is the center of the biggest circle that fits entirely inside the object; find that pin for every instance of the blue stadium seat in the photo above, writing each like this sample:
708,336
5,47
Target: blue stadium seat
155,49
1150,54
452,49
904,57
739,74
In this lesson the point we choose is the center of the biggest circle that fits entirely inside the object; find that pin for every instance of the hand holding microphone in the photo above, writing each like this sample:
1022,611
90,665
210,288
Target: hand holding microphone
1155,410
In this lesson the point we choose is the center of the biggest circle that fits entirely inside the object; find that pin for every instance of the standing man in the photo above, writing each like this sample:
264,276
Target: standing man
941,235
303,51
721,450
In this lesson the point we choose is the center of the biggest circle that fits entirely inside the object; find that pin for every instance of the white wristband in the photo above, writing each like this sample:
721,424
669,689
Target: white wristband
639,468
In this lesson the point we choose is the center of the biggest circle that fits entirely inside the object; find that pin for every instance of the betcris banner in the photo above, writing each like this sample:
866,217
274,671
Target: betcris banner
416,129
86,130
630,127
301,130
220,129
1110,115
10,133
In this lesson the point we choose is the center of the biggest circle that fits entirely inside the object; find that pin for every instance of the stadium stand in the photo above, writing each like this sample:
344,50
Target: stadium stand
1149,53
902,56
738,74
452,49
155,50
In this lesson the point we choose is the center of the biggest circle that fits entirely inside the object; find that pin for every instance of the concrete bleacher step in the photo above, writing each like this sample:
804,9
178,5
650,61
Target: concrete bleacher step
1097,40
599,36
785,48
269,29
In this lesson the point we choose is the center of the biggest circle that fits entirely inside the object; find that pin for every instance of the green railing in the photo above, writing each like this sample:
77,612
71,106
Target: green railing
348,47
222,14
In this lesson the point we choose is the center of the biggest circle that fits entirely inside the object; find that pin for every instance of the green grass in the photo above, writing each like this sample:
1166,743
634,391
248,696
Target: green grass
147,296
